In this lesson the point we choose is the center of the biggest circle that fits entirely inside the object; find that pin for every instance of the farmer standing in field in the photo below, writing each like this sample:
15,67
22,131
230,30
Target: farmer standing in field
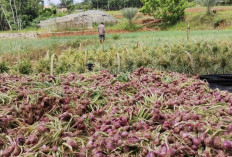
101,31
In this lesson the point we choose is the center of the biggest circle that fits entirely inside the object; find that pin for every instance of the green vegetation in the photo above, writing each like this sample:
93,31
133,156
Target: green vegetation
164,9
24,67
207,52
18,14
108,4
208,4
116,36
3,67
21,14
129,14
129,39
199,20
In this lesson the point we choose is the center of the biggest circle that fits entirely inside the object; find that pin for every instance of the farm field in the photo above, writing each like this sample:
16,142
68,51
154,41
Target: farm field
207,52
137,95
148,38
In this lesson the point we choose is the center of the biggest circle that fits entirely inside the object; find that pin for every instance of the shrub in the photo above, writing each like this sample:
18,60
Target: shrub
129,14
116,36
25,67
132,27
3,67
43,66
62,67
76,43
217,22
168,10
208,4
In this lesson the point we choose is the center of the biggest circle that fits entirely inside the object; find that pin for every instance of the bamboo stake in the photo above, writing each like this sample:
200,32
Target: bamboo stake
114,46
80,47
47,55
118,57
52,65
85,56
127,51
141,46
188,32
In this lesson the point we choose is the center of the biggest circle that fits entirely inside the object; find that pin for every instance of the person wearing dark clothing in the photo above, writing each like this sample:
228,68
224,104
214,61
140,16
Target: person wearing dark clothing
101,31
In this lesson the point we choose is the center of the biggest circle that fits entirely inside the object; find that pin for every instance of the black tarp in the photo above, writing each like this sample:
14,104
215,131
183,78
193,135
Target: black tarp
220,81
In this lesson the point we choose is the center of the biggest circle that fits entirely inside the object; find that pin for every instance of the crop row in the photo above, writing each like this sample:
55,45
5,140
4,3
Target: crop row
191,57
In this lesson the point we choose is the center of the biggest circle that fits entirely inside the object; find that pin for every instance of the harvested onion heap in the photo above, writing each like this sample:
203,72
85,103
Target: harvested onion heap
147,113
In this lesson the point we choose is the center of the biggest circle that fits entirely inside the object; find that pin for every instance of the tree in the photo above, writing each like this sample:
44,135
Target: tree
170,11
208,4
66,2
69,4
129,14
18,13
113,4
6,17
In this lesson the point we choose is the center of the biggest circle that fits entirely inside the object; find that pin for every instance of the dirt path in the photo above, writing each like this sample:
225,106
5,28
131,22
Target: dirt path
86,32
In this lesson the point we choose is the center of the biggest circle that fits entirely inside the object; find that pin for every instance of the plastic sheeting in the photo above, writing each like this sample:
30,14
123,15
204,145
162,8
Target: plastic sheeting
220,81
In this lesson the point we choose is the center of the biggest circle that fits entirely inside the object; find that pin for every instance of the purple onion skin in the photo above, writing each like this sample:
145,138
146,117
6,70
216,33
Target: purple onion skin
133,140
110,146
100,154
124,134
196,141
227,145
202,137
90,145
16,151
42,129
20,139
54,148
150,154
194,147
230,128
32,139
116,137
73,144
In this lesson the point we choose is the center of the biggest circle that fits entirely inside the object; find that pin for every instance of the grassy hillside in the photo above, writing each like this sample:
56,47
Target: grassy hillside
196,17
198,20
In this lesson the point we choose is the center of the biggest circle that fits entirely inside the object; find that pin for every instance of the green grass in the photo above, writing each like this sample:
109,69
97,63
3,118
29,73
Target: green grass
127,39
156,38
25,45
113,13
200,21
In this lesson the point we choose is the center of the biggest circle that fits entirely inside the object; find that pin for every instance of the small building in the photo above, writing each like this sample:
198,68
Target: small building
85,19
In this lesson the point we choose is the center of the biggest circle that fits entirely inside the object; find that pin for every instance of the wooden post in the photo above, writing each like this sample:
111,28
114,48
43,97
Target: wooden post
114,46
188,32
118,57
85,56
127,51
47,55
52,65
137,44
80,47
